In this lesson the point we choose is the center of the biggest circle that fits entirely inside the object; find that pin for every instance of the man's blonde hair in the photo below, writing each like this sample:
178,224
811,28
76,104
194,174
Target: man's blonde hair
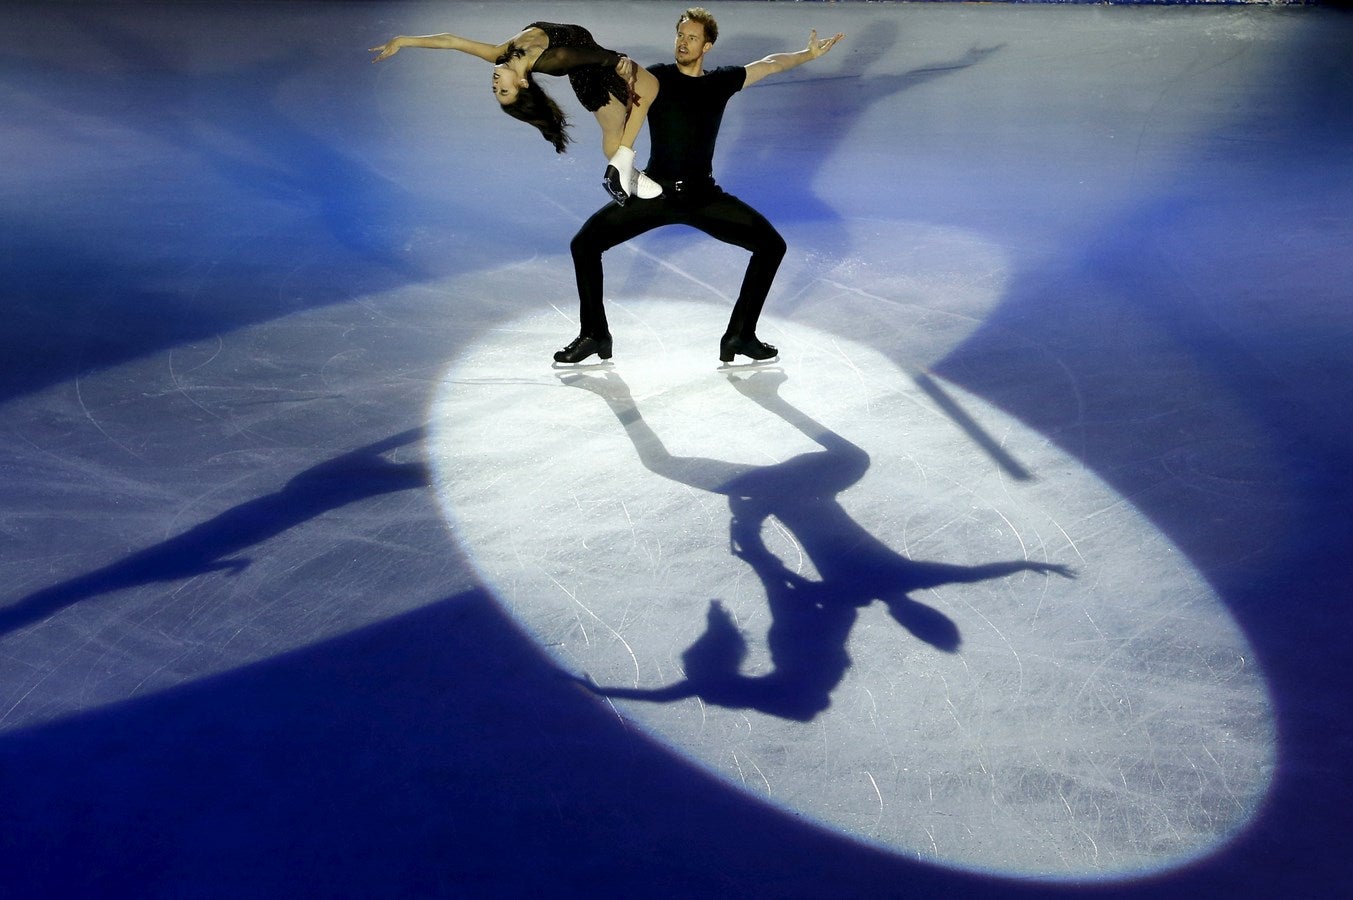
706,20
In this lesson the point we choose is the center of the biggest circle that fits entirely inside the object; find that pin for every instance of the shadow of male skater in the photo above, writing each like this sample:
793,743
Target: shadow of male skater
811,620
212,545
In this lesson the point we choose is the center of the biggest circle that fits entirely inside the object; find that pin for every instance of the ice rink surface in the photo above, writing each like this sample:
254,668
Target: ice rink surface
1022,571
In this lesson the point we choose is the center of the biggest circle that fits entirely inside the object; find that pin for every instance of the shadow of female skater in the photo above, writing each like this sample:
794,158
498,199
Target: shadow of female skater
811,620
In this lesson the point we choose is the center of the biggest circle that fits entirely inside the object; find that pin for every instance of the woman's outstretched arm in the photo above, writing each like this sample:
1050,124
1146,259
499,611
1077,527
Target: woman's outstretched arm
487,52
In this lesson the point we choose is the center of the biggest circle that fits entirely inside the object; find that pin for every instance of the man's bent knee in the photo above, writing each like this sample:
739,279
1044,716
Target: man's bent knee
585,245
772,246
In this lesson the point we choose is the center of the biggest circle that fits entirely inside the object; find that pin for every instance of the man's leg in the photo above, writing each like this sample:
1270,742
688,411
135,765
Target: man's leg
609,226
730,220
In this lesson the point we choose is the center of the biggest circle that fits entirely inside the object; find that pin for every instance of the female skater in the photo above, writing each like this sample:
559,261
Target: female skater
610,86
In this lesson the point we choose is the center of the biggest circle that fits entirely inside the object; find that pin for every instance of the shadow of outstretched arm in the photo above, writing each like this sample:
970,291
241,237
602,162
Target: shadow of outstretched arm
932,574
711,667
929,624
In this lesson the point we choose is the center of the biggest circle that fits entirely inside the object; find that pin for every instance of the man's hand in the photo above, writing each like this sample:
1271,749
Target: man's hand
816,48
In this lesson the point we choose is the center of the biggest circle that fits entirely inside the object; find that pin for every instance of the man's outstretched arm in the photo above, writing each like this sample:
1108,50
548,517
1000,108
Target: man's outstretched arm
782,62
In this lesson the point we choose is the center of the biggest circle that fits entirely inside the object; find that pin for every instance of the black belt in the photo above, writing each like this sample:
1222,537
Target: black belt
687,187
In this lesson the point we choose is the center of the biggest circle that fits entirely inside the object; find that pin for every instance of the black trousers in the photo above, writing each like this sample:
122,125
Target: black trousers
719,215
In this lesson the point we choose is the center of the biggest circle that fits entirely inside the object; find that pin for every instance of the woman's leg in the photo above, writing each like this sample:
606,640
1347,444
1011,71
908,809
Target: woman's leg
646,87
622,180
611,118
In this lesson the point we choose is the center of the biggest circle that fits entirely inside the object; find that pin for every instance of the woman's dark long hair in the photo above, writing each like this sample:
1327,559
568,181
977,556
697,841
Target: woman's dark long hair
534,107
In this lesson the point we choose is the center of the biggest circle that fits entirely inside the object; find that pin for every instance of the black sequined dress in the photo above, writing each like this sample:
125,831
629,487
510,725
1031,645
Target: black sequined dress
590,68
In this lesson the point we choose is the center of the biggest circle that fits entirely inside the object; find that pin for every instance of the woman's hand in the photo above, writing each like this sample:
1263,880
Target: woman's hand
625,68
388,49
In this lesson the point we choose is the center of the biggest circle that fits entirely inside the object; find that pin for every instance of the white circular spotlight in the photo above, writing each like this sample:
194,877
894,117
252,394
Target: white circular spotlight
832,583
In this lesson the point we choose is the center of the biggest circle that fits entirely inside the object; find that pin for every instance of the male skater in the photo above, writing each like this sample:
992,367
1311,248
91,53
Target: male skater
683,125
